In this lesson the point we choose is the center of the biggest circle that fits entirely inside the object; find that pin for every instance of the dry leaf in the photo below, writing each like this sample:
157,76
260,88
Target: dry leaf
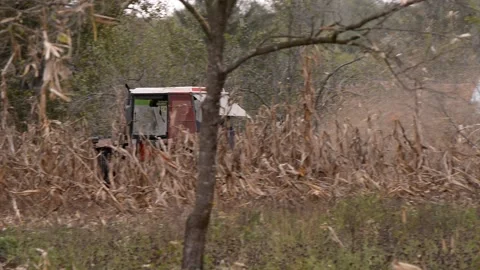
105,19
60,95
239,265
6,20
396,265
466,35
452,14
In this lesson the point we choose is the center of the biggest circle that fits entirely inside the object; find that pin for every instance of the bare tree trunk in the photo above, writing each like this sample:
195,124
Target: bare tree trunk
197,223
218,12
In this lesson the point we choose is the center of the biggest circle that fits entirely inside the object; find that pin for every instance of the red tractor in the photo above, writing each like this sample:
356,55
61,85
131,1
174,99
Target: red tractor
154,114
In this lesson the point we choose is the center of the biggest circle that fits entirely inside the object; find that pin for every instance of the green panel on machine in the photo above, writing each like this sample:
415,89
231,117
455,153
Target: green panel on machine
142,102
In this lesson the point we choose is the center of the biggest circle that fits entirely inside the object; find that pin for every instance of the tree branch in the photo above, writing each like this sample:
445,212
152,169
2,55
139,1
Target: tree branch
379,15
332,39
286,45
404,30
201,20
325,81
258,96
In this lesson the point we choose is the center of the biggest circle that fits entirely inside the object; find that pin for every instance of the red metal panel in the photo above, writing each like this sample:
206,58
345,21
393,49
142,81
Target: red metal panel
198,89
181,114
142,151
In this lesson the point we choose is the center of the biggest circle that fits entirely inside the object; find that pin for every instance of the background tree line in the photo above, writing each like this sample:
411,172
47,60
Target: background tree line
168,50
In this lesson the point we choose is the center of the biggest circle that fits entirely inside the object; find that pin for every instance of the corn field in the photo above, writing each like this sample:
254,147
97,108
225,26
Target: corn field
272,160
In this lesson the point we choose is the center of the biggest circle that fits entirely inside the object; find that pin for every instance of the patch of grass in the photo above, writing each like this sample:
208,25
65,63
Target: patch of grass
8,247
357,233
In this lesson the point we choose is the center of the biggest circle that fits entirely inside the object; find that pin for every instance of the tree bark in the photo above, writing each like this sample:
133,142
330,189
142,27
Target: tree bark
197,222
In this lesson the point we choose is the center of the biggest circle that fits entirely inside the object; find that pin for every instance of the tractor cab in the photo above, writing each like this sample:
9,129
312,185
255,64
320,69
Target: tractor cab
154,114
161,113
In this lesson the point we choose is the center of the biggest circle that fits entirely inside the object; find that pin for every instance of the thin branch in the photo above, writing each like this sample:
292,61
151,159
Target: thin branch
3,90
327,27
397,77
258,96
332,39
403,30
373,49
139,77
286,45
433,58
201,20
457,128
267,38
404,71
384,13
9,62
327,78
384,19
285,36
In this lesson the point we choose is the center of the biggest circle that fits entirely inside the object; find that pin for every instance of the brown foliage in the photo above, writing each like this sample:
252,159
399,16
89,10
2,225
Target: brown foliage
58,171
